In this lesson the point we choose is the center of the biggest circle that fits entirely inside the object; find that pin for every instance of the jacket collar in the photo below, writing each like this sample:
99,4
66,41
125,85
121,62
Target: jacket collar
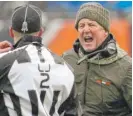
26,40
120,54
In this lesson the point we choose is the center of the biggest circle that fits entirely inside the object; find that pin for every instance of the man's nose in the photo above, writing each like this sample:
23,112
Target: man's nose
87,28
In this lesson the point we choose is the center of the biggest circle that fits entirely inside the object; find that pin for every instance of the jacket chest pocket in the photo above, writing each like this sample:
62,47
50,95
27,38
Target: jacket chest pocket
80,85
104,89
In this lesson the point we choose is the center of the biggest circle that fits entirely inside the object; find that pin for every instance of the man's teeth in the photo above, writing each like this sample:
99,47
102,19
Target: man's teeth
89,39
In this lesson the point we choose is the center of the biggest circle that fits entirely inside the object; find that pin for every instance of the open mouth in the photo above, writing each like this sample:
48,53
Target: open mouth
88,39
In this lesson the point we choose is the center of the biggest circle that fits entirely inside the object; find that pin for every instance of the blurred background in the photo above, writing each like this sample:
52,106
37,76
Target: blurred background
58,22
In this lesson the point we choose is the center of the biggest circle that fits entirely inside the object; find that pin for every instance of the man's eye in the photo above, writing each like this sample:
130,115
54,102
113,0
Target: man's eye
91,24
81,26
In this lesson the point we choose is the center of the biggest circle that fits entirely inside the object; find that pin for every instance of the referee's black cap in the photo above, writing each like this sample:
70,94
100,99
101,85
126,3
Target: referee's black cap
27,19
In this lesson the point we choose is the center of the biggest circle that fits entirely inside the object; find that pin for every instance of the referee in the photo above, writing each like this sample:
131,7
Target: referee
34,81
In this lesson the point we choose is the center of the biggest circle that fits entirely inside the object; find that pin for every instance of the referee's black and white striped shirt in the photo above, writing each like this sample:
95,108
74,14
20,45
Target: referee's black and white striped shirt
35,82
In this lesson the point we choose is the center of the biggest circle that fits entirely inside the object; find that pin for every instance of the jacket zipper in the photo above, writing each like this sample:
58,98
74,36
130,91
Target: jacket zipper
86,73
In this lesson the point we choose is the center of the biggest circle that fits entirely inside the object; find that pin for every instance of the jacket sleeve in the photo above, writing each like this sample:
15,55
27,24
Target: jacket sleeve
71,107
127,87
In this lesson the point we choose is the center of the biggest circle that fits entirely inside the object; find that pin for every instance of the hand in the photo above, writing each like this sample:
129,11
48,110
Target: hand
5,46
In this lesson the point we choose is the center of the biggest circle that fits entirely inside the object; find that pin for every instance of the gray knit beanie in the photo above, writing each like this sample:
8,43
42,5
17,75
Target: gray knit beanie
93,11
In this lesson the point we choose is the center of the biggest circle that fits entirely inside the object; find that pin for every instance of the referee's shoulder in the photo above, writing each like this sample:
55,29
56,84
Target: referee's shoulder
9,57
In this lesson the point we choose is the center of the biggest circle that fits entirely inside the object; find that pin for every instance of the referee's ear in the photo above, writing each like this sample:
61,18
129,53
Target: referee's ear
40,32
11,32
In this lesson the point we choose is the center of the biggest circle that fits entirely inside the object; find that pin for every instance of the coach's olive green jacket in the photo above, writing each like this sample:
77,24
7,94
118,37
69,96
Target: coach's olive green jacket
104,85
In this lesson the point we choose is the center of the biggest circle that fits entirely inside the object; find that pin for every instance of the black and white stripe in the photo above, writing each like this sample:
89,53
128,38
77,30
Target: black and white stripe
33,82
